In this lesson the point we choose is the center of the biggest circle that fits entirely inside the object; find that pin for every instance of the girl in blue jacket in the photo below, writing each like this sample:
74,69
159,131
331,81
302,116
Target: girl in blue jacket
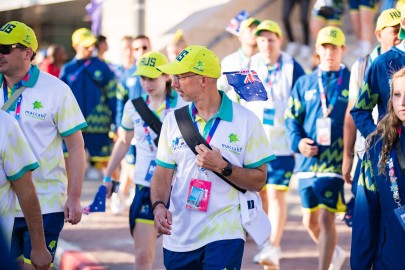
378,239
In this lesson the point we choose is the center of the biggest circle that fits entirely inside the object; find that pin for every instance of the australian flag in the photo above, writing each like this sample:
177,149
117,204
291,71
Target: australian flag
234,24
247,85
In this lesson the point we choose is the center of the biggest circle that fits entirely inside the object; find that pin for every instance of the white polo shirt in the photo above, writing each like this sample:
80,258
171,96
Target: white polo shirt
16,158
242,140
131,120
49,111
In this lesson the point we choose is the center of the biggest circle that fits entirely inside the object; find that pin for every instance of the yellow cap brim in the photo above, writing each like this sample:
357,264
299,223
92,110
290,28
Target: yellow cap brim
87,42
150,73
5,40
329,41
174,68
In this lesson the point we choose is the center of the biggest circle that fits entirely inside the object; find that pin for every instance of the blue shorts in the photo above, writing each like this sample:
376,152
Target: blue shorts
332,14
21,241
130,157
279,172
141,207
98,145
224,254
322,192
355,5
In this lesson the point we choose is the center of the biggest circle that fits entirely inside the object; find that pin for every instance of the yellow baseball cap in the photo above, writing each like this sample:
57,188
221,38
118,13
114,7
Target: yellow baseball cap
197,59
387,18
17,32
331,35
270,26
248,22
84,37
401,34
148,63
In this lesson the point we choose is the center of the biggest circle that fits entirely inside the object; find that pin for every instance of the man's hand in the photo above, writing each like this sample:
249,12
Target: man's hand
109,186
347,168
73,211
41,259
163,219
307,148
210,159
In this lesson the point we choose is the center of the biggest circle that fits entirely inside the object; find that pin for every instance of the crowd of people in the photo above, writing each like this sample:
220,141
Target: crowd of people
199,156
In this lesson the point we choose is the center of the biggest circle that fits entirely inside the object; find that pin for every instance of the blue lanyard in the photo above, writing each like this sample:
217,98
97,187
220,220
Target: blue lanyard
273,76
326,110
19,99
213,127
73,77
145,126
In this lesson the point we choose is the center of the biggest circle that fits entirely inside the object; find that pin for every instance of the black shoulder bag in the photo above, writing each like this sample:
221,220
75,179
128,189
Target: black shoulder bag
193,138
148,116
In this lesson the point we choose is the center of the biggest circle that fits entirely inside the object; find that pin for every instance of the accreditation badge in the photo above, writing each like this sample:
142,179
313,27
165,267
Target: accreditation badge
268,116
199,193
151,171
400,214
323,131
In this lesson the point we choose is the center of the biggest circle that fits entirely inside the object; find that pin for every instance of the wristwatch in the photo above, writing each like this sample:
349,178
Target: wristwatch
227,171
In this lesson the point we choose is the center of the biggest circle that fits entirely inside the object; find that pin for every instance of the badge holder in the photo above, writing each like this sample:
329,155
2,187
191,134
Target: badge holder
323,131
269,113
151,171
400,214
199,191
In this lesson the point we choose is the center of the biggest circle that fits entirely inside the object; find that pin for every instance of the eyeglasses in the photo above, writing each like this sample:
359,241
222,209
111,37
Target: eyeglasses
7,49
177,78
139,48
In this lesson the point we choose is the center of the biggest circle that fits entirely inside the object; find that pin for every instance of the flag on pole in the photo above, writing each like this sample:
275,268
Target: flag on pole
247,85
95,9
98,204
234,24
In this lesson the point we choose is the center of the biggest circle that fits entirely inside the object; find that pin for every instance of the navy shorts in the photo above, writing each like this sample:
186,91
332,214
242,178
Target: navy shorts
98,145
355,5
21,241
224,254
279,172
322,192
141,208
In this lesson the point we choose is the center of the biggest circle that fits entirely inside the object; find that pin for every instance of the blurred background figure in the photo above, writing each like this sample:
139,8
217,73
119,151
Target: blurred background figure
176,45
54,59
101,47
294,47
362,14
326,13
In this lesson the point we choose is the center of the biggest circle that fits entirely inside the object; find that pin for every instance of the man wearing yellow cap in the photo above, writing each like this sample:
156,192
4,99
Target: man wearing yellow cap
161,100
278,71
47,113
202,227
314,120
386,32
241,59
94,85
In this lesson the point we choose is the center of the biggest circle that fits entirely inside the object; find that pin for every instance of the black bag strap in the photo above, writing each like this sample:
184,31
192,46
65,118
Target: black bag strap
148,116
193,138
400,156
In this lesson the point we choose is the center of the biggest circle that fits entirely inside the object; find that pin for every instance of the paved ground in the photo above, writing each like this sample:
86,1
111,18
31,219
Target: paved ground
106,238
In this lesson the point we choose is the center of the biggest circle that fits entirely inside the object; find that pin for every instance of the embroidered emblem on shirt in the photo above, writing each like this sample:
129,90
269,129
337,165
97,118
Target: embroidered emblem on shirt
233,138
37,105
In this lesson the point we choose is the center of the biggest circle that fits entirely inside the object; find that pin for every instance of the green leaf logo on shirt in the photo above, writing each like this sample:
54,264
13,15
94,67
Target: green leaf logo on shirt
345,93
328,194
37,105
52,244
233,138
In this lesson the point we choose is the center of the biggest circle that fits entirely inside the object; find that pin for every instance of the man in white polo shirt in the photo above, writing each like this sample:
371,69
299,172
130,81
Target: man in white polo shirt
17,162
47,113
203,223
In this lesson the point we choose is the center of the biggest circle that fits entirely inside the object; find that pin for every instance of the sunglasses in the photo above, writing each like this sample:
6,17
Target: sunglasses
7,49
141,48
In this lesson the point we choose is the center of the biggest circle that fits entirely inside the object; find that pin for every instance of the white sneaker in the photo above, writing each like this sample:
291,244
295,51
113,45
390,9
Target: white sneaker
117,204
263,248
305,52
93,174
269,257
130,198
292,48
339,257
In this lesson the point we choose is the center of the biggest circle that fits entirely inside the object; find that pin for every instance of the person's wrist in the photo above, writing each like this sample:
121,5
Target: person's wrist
107,179
155,204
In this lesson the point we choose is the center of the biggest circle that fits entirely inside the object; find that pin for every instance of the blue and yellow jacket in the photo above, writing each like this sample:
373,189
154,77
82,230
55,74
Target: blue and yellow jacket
378,238
305,108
